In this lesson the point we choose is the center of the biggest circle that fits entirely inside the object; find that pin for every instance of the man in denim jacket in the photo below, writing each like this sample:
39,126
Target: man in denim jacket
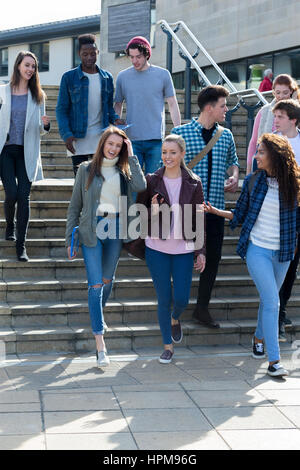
85,103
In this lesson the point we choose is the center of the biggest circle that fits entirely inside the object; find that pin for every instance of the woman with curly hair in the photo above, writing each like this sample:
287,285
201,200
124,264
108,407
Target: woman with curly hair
268,211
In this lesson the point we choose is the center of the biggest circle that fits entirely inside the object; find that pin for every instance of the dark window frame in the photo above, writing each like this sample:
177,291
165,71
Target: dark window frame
3,67
42,67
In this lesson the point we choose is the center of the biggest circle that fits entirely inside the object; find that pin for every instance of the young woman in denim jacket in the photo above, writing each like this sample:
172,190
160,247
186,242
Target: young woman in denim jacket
22,121
95,207
269,215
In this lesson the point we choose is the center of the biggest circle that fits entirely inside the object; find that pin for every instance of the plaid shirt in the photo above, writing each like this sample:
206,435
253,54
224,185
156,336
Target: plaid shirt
246,213
223,156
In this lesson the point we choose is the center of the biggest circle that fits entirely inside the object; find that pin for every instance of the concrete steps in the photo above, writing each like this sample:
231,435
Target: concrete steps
43,303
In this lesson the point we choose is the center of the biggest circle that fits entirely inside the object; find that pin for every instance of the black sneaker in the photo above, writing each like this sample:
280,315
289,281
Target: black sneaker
258,350
166,357
281,333
277,370
176,333
287,321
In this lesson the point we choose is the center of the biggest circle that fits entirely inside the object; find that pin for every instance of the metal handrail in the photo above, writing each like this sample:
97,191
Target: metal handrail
234,92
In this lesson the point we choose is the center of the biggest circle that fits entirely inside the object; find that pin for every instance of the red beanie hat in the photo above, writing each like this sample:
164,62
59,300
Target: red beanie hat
140,40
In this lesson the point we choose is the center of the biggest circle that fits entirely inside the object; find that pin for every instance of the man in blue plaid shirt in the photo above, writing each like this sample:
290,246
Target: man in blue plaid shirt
219,172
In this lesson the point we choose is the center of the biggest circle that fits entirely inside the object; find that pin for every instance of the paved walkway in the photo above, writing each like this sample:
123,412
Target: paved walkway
208,398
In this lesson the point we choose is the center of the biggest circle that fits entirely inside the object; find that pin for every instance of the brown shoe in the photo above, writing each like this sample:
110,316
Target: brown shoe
202,316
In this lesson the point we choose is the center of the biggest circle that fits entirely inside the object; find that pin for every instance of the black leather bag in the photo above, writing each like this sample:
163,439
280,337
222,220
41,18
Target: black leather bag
136,248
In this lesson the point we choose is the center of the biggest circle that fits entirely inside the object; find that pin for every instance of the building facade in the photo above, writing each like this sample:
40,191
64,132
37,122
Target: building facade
54,44
237,34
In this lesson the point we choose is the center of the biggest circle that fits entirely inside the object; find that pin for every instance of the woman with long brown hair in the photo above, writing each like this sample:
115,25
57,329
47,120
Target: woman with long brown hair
284,87
268,211
22,120
96,209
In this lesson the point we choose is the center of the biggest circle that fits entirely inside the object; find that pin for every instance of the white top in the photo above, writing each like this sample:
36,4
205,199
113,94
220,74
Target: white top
111,190
88,145
295,143
266,230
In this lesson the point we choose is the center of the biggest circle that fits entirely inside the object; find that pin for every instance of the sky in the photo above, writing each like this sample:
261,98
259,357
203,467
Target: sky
18,13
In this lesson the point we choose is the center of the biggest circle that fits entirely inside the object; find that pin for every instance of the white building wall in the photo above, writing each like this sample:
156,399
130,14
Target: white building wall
60,59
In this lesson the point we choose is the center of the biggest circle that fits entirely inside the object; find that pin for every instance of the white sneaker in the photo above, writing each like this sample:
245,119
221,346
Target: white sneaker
277,370
102,359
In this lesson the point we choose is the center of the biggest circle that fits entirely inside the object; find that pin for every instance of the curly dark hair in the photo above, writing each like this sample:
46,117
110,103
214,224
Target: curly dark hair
283,167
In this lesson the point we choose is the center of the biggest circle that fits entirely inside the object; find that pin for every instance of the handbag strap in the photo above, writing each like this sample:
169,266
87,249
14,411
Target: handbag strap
206,149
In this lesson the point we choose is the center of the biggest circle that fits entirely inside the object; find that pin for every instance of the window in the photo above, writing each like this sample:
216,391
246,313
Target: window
3,62
153,22
76,58
256,67
178,80
287,62
41,50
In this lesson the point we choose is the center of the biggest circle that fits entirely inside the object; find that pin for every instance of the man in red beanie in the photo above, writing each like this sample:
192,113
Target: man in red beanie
144,88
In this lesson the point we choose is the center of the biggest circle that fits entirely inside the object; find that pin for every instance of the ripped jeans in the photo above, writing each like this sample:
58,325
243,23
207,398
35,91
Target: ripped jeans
101,263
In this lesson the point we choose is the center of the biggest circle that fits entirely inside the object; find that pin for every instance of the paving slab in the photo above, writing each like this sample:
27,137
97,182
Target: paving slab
287,439
74,422
101,441
180,441
80,401
155,400
208,398
20,423
158,420
247,418
23,442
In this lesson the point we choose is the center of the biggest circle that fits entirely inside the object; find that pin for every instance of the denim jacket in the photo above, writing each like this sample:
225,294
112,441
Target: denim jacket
247,209
72,103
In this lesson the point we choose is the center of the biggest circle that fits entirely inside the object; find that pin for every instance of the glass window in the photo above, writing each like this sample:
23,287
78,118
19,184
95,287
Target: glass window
256,67
153,23
76,58
41,50
178,80
287,62
236,73
3,62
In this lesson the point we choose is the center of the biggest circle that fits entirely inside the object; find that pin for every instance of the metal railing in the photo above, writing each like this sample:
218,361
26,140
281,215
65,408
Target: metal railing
171,31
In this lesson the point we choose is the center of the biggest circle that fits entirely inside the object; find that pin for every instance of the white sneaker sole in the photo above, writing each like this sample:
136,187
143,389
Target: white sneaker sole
278,373
258,357
103,364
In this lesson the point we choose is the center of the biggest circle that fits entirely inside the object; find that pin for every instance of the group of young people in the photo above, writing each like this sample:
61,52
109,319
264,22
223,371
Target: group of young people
186,173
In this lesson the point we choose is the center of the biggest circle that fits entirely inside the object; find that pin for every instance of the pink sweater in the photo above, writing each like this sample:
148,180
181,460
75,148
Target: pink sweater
175,244
254,138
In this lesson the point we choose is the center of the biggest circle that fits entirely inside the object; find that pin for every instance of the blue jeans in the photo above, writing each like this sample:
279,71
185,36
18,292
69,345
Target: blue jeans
163,267
268,274
148,153
101,263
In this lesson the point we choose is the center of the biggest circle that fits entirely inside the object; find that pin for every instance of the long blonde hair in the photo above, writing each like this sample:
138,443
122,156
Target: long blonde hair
179,140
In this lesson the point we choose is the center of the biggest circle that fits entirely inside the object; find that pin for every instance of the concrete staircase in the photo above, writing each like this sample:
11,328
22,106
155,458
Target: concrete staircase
43,303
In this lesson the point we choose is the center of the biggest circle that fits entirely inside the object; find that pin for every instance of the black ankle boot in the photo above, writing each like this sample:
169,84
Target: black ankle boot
21,251
10,233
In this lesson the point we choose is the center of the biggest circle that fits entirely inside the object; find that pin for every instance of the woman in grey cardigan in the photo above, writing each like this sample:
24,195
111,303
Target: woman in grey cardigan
22,120
98,210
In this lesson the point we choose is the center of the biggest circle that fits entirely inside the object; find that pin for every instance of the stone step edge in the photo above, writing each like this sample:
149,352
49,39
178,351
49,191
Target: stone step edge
120,330
61,284
124,305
